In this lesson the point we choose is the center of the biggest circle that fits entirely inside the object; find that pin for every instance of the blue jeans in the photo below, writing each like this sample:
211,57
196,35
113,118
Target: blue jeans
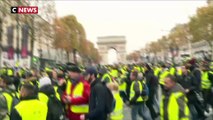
141,110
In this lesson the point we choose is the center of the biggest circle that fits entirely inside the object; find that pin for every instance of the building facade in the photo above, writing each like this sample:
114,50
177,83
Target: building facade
25,36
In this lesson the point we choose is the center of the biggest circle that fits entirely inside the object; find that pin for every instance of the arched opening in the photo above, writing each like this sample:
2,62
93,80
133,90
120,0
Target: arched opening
112,56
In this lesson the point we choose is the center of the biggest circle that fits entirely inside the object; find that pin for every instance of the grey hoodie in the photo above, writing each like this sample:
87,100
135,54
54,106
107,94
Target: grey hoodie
181,101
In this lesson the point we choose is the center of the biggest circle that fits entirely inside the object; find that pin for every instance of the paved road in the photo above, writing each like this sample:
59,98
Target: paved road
127,115
127,112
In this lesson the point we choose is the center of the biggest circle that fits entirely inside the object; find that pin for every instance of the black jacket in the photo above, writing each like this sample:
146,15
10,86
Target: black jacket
152,83
47,90
97,102
197,76
53,104
188,82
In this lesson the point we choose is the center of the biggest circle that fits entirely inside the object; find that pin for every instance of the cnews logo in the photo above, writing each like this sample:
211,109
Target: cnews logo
24,10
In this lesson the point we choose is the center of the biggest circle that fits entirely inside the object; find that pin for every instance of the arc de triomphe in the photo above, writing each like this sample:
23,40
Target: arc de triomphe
112,42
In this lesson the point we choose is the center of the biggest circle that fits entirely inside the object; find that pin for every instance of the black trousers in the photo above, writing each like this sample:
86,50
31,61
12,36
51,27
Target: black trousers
207,97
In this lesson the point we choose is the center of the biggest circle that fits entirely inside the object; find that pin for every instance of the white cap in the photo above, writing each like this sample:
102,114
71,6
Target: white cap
44,81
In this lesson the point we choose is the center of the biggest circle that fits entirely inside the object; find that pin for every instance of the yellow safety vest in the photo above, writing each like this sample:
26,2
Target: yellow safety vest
163,76
172,71
32,110
9,72
142,69
114,73
157,71
122,87
179,72
9,100
117,113
56,93
205,82
132,92
106,75
211,65
77,92
43,97
173,108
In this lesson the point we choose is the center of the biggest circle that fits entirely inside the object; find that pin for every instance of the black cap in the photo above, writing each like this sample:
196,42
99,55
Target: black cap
91,71
73,68
70,64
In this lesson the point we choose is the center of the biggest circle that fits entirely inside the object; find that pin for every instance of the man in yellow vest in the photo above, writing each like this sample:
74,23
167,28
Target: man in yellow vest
206,84
76,96
29,108
173,102
165,72
104,75
136,100
123,87
117,113
6,97
7,89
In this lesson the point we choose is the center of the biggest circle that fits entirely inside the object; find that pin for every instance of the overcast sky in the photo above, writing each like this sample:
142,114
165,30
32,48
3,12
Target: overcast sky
140,21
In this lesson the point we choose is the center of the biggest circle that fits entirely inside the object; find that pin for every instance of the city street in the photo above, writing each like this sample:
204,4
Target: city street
55,55
127,115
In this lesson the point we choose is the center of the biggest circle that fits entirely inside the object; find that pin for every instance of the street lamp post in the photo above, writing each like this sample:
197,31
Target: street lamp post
40,56
209,27
189,38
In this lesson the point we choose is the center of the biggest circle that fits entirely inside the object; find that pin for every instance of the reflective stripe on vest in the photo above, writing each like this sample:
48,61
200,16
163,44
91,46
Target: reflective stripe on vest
173,108
77,92
132,92
9,100
43,98
117,113
32,110
205,82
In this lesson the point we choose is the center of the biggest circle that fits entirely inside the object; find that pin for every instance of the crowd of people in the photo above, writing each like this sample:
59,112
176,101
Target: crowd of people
71,92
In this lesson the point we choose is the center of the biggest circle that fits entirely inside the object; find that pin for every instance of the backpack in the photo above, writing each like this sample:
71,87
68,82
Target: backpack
110,100
145,88
56,109
15,101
